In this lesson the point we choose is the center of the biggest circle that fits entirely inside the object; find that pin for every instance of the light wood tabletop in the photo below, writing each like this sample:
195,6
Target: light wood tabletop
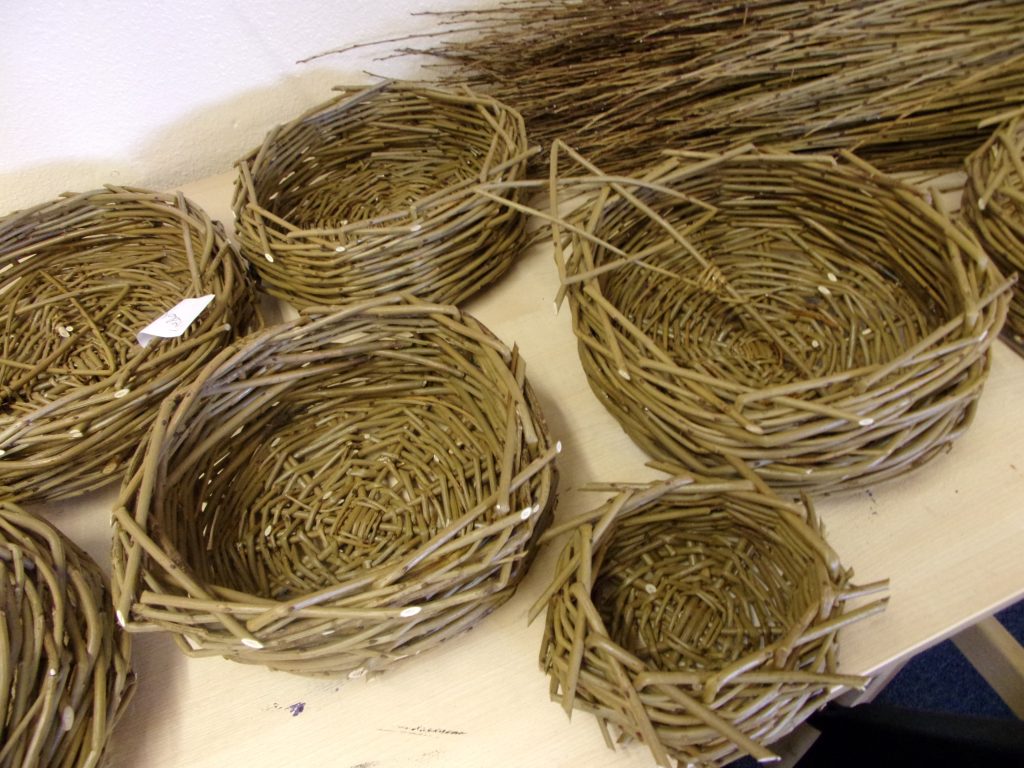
949,536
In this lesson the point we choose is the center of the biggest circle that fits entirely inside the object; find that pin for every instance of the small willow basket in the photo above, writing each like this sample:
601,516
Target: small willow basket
700,619
65,673
338,492
379,190
810,323
994,207
79,278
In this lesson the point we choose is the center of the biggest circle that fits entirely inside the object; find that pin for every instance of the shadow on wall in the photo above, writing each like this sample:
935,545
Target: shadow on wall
26,187
201,143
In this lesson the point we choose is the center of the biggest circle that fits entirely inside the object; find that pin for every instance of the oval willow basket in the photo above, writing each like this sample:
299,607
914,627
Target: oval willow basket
338,492
378,190
994,207
65,672
807,322
700,619
80,277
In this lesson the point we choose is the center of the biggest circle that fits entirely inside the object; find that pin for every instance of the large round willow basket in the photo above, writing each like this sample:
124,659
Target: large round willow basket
80,278
337,493
385,189
808,322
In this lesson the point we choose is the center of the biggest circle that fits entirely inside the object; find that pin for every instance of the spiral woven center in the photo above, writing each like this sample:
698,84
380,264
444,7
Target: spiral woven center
357,464
377,158
374,184
328,496
698,596
73,321
832,308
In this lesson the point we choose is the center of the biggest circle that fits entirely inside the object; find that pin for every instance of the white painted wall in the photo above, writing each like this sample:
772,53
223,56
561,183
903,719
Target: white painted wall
155,94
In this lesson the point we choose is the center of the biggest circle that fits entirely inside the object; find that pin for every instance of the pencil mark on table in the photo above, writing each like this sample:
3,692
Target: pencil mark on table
423,730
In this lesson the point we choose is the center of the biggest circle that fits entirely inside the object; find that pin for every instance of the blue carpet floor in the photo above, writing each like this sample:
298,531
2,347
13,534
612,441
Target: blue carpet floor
942,680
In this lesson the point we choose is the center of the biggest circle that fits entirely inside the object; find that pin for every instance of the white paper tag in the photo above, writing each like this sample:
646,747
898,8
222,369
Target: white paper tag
175,321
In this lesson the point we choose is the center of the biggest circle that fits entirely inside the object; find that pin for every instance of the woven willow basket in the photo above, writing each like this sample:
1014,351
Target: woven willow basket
806,322
65,670
700,619
338,492
79,278
994,207
377,191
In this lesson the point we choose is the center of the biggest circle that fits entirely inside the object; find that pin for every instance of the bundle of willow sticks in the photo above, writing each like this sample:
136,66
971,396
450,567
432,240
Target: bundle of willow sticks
902,82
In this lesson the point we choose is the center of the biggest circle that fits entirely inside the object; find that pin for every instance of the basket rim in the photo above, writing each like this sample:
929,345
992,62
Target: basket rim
674,169
350,97
444,237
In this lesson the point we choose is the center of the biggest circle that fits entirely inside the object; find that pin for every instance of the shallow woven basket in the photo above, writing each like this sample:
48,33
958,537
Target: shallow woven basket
79,278
700,619
338,492
806,322
994,207
65,672
377,191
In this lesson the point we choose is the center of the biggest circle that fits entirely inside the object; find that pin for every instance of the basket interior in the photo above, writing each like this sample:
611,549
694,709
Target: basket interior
74,302
846,280
698,588
359,459
380,156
